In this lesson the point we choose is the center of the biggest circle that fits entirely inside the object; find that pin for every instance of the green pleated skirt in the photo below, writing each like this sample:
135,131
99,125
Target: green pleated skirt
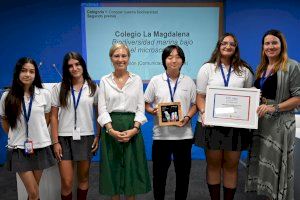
123,166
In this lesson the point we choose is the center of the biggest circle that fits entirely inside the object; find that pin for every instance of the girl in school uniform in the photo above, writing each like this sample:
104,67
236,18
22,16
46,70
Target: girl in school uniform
25,112
72,120
222,145
171,141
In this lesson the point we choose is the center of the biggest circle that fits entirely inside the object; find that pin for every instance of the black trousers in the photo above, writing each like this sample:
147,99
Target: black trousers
162,151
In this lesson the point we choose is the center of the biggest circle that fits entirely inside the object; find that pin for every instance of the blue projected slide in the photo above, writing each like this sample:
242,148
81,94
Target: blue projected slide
147,31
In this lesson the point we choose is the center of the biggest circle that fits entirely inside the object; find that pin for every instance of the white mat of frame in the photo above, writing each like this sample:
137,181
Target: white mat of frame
49,185
297,125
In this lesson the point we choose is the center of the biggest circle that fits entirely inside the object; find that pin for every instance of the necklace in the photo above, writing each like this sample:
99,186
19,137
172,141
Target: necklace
270,70
121,78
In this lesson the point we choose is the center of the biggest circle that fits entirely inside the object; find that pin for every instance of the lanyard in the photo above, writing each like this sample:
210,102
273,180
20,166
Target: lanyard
170,89
75,103
226,81
27,115
264,78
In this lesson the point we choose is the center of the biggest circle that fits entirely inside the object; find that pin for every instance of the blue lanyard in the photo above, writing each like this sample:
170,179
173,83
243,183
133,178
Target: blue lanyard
226,81
263,79
27,115
170,89
75,103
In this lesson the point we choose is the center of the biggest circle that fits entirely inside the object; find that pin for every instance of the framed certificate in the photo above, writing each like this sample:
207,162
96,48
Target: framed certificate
232,107
169,113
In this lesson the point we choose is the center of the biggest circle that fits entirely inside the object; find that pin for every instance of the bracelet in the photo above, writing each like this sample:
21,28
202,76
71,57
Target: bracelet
108,130
54,143
276,107
138,128
187,117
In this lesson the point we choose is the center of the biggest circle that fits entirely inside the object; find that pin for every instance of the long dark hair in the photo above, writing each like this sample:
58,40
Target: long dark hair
67,78
15,94
236,60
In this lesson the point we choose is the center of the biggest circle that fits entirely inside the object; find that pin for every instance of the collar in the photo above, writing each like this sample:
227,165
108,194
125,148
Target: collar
37,90
85,84
223,66
165,77
111,75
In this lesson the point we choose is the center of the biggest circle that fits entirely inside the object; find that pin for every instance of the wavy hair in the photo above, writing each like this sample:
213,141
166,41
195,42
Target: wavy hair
283,55
235,61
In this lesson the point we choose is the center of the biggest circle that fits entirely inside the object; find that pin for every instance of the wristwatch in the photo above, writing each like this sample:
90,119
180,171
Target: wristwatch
189,118
108,130
138,128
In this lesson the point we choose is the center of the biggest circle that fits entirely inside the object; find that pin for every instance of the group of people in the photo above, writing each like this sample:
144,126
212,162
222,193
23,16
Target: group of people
119,105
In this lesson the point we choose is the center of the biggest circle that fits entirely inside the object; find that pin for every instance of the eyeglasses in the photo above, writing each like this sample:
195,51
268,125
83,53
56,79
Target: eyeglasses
116,56
232,44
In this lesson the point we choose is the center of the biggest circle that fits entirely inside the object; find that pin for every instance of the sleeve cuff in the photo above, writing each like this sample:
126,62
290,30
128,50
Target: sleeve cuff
141,118
104,119
201,91
47,110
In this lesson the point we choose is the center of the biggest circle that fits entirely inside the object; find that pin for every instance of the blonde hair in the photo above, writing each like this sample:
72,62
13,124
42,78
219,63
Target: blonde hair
281,64
116,46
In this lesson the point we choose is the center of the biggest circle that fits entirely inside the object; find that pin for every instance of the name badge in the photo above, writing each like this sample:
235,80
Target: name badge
28,146
76,133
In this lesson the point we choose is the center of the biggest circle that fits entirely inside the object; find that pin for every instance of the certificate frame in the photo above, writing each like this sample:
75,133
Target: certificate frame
169,113
232,107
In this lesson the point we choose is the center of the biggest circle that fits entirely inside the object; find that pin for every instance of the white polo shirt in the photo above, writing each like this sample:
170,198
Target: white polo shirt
37,126
158,92
85,111
128,99
210,74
